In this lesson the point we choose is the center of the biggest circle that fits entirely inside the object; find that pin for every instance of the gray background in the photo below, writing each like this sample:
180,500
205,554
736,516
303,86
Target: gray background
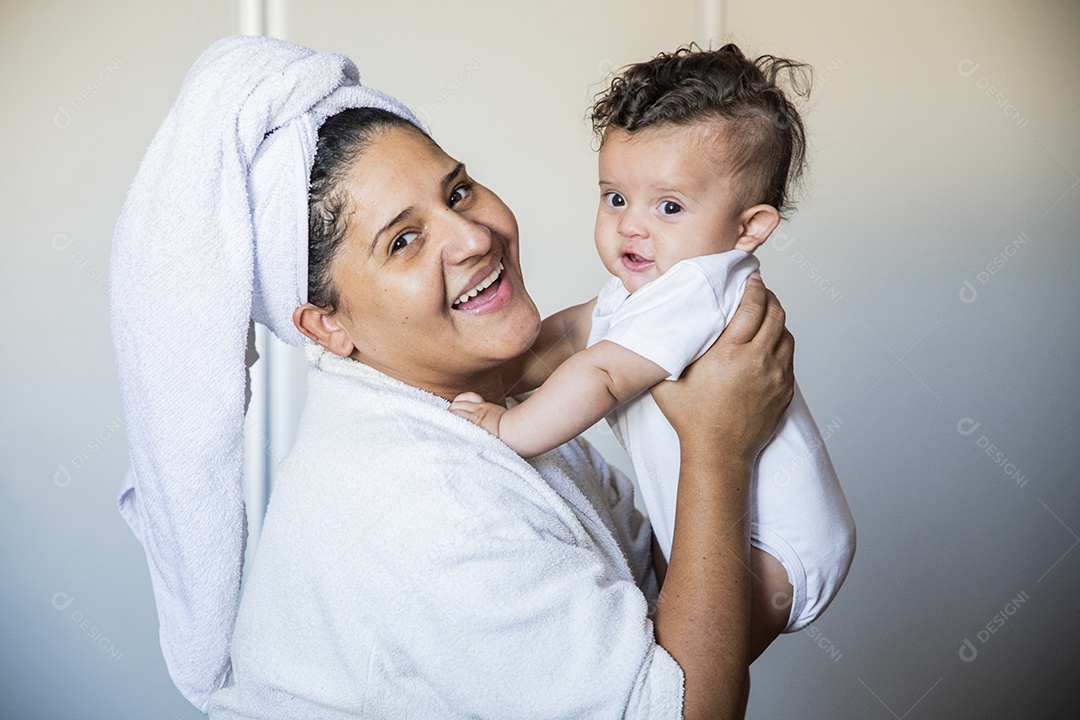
928,276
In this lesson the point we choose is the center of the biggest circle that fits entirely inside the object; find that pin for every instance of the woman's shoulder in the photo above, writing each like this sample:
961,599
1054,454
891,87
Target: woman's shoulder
368,449
372,451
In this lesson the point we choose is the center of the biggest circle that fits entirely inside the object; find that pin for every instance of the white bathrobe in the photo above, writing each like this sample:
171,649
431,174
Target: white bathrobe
413,566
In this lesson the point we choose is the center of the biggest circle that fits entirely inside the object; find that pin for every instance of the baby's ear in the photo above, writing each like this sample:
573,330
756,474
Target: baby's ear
755,227
323,327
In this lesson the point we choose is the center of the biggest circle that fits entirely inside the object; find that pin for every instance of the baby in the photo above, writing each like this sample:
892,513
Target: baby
697,152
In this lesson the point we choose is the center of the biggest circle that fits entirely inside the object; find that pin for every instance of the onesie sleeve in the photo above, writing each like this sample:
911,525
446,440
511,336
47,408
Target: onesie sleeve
671,321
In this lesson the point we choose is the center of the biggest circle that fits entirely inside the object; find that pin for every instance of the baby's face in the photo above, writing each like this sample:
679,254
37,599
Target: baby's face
665,195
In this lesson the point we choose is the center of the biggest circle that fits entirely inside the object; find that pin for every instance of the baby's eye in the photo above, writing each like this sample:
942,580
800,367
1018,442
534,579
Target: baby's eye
670,208
460,193
614,199
402,241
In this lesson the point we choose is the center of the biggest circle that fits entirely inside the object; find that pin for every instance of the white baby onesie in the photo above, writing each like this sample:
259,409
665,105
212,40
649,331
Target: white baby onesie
800,515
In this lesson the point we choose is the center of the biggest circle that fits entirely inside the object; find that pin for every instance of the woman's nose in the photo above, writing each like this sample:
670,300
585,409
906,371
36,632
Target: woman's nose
465,239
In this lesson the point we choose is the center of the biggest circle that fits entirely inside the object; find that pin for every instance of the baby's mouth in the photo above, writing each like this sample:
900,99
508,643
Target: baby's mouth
633,261
478,295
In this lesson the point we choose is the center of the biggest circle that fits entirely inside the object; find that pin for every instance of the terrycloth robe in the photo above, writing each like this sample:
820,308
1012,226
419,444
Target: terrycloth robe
412,566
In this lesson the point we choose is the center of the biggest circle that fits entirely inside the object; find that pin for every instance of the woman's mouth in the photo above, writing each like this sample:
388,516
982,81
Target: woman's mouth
481,298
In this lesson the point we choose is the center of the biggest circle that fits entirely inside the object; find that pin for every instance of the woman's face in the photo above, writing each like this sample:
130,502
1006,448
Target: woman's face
429,278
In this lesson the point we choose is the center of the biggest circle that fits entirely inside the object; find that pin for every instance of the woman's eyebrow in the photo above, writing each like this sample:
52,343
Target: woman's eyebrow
453,174
394,221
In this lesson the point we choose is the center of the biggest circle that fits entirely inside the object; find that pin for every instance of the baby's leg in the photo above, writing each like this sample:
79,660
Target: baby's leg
770,600
801,516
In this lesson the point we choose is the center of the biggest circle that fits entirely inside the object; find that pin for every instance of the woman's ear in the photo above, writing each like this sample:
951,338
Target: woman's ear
323,327
755,227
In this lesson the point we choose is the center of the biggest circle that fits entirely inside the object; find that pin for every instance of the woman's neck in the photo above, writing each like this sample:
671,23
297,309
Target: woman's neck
491,384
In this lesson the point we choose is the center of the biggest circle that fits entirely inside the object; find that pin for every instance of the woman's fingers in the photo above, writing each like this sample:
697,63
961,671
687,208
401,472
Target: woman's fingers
785,346
771,329
750,314
759,318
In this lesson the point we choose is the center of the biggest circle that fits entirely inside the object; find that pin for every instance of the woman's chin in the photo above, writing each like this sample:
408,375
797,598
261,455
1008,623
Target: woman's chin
519,331
519,328
508,314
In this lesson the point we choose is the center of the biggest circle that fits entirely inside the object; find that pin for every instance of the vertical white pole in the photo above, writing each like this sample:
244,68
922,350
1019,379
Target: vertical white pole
276,15
250,21
287,367
250,16
278,378
710,23
256,440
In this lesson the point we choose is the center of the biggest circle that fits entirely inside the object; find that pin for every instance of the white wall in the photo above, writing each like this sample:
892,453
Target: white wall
919,181
84,87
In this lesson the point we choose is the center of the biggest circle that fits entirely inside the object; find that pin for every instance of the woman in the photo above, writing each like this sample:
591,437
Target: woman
410,564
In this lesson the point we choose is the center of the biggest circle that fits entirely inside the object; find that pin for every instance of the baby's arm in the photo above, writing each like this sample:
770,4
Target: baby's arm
581,391
561,335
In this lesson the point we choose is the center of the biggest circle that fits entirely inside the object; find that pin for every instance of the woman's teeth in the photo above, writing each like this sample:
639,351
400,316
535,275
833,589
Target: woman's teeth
481,287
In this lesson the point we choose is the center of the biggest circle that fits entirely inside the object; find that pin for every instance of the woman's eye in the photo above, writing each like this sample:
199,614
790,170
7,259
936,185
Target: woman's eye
402,241
614,199
670,208
460,193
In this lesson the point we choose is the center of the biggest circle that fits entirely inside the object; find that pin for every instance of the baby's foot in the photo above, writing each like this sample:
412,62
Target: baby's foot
473,408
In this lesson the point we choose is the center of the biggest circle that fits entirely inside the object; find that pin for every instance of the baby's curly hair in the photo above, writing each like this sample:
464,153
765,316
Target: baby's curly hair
762,126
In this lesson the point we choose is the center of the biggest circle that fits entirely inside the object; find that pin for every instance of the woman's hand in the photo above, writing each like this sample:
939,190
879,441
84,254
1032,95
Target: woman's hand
724,410
735,394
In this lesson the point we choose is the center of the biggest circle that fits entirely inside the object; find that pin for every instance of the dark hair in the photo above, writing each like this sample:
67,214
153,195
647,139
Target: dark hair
341,140
692,85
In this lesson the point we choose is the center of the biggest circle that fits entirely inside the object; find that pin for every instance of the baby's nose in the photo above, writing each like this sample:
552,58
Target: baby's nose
631,224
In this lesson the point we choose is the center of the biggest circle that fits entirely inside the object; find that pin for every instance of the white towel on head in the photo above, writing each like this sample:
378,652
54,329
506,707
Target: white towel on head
213,232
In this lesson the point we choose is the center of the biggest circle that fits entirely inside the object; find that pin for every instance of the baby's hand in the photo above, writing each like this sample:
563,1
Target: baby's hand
473,408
